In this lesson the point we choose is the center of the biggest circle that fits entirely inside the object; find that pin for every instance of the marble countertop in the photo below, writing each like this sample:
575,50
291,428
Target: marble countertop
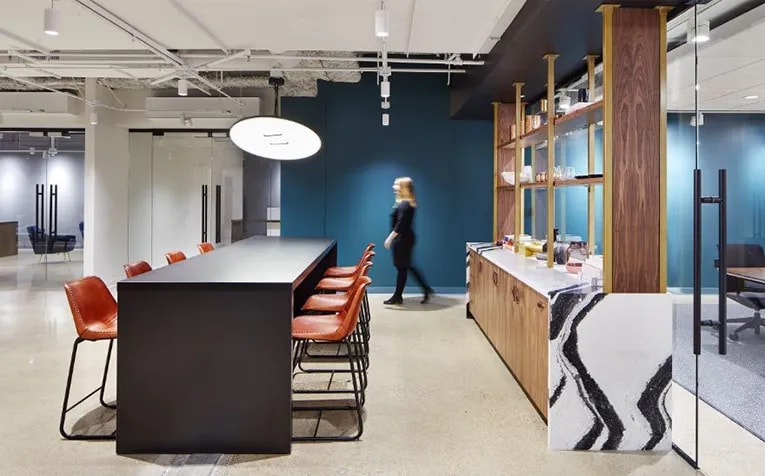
531,271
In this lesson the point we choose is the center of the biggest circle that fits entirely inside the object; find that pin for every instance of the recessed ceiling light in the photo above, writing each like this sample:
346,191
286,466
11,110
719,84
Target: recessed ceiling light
752,96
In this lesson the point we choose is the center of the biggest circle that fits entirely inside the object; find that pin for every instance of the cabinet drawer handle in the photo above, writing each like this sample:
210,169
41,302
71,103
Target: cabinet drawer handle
516,295
540,305
495,278
480,266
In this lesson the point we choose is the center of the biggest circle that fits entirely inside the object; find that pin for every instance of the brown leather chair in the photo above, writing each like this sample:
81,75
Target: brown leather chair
134,269
335,328
327,302
205,247
348,271
94,311
175,257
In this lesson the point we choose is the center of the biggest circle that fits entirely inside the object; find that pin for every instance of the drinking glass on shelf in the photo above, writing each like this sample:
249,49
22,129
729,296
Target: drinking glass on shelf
570,173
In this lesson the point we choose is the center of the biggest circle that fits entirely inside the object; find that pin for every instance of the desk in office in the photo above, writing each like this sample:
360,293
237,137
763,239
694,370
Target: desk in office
204,348
756,275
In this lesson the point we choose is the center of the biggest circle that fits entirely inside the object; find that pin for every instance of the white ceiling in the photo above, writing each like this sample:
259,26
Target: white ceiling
417,26
731,66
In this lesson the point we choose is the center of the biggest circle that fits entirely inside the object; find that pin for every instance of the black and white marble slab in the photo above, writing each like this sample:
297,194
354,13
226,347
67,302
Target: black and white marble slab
610,371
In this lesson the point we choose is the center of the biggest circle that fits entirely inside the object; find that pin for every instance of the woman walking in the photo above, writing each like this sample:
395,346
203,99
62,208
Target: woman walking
402,239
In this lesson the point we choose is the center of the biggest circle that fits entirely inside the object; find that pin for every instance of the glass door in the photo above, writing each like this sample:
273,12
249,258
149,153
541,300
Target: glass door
41,208
728,125
182,194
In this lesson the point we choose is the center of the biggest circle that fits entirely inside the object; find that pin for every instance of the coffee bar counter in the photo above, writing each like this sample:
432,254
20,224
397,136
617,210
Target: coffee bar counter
597,367
204,360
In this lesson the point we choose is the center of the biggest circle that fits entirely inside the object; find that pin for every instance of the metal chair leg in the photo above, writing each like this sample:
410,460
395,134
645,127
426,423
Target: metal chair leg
103,381
65,408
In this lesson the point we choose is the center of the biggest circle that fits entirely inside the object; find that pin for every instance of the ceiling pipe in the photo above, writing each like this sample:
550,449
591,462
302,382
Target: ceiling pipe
24,41
151,59
193,19
150,43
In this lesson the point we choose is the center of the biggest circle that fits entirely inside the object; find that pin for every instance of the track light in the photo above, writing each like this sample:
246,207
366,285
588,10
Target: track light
186,121
93,117
385,88
385,119
382,23
700,122
385,104
183,87
51,21
699,34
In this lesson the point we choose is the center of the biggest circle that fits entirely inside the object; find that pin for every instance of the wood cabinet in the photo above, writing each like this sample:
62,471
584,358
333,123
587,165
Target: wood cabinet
515,319
9,243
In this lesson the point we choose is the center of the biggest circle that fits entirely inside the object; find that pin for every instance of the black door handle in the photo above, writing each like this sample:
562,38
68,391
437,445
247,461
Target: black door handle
218,191
204,214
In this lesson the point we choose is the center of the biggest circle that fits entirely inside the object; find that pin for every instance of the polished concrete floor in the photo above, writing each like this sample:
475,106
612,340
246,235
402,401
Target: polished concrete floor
439,402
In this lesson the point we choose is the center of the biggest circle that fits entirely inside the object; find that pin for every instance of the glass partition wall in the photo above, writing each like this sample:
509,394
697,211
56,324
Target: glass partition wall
716,134
41,208
192,187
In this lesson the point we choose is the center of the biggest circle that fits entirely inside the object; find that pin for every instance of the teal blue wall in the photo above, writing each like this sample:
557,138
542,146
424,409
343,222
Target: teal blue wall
735,142
345,190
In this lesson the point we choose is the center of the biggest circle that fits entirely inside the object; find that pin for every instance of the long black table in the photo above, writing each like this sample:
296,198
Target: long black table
204,348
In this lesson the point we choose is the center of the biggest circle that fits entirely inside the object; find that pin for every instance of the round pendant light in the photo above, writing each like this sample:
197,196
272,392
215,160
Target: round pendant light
274,137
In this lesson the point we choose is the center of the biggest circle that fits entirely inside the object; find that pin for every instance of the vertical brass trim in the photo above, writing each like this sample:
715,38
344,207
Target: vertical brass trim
608,144
495,179
663,149
518,160
532,192
591,152
550,58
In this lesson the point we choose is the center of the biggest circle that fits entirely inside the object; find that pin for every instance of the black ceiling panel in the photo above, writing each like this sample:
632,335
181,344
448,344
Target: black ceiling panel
570,28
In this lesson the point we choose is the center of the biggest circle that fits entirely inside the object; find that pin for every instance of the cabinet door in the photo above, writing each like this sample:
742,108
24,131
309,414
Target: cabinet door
508,311
539,342
478,290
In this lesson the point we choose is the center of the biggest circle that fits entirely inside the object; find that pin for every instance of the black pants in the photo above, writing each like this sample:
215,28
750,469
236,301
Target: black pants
401,280
403,245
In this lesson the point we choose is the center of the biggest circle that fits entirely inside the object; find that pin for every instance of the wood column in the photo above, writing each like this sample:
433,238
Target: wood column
505,202
635,154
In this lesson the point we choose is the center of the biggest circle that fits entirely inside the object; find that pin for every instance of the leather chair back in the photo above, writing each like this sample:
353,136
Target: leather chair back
174,257
134,269
205,247
93,307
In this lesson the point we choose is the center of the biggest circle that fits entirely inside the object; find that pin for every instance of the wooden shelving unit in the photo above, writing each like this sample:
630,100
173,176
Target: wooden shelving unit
512,155
565,183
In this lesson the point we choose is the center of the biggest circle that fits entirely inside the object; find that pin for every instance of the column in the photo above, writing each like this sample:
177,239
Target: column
107,156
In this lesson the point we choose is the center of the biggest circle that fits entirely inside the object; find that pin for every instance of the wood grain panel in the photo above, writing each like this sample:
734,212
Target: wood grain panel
505,117
505,212
636,151
515,319
9,244
505,163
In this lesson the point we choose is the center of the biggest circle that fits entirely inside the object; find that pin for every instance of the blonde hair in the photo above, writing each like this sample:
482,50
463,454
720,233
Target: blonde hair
405,191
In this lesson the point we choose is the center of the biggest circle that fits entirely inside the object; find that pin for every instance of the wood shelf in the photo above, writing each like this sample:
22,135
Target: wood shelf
535,137
505,187
579,119
565,183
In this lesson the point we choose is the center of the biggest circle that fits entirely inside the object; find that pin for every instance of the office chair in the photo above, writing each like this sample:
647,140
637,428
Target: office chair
751,295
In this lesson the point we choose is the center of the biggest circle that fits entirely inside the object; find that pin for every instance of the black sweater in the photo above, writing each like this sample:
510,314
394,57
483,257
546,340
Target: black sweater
402,218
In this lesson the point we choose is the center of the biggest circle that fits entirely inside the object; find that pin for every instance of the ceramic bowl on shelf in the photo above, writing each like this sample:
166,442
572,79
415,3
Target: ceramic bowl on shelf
508,177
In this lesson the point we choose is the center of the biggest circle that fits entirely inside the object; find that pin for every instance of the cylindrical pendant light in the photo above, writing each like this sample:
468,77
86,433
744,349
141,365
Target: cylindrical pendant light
52,21
385,104
386,119
382,23
385,88
183,87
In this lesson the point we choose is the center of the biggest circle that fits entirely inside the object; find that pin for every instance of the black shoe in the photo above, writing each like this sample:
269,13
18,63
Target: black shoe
394,300
428,292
